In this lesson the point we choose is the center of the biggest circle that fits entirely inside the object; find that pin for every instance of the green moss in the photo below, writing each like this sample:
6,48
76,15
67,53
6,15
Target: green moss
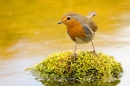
87,67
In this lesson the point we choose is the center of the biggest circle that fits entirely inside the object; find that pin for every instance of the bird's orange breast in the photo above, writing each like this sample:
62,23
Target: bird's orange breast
75,31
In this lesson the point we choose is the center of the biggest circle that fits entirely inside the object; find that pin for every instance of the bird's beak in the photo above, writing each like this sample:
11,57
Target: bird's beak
60,22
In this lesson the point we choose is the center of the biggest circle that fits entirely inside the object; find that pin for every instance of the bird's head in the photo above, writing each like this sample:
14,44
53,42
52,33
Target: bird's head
70,19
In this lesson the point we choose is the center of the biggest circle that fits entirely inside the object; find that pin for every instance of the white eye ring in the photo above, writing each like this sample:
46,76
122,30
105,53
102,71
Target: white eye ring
68,18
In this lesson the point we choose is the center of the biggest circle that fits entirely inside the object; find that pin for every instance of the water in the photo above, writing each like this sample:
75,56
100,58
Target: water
29,32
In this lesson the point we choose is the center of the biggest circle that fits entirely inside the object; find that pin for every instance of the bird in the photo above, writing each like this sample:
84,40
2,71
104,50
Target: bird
81,29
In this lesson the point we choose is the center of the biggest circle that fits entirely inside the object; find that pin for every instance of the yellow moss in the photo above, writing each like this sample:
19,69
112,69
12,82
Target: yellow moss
87,67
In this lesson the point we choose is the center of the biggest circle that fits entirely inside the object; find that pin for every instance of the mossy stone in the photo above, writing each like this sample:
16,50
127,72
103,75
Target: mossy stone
87,67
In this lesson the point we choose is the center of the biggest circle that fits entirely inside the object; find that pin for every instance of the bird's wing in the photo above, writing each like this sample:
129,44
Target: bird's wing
87,29
91,24
89,33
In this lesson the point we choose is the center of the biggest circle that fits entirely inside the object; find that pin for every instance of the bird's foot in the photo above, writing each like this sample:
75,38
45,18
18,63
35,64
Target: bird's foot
94,52
74,57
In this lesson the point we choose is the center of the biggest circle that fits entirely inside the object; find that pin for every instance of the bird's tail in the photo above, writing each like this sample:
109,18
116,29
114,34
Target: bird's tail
91,14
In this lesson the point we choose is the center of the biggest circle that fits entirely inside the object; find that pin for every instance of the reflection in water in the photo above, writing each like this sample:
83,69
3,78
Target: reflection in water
96,83
29,31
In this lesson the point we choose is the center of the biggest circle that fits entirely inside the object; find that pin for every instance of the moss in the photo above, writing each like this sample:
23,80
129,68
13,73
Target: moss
88,67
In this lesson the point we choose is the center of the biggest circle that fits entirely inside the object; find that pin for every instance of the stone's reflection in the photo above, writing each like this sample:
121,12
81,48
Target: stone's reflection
96,83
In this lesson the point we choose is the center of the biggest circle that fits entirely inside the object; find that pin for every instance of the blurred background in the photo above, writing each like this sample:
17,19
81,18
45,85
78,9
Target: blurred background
29,32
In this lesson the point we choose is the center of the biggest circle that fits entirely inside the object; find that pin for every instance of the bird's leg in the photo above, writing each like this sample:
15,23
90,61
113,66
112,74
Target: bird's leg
75,52
93,48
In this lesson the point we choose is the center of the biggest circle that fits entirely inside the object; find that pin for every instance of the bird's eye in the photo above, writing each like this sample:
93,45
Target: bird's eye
68,18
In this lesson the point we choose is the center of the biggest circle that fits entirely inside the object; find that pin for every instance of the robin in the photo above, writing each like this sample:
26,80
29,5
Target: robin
81,29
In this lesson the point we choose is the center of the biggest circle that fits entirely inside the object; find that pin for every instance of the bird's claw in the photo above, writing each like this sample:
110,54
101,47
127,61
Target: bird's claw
94,52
